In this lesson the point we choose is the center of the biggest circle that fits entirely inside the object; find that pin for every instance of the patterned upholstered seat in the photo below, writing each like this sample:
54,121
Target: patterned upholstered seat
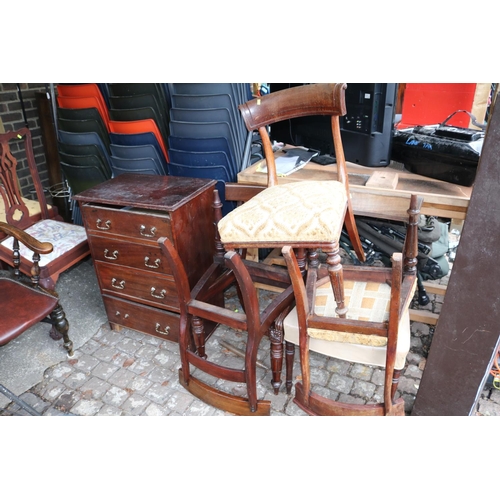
62,235
366,301
309,211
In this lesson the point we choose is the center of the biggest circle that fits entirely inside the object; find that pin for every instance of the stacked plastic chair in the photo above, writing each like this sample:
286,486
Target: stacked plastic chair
83,136
139,128
208,138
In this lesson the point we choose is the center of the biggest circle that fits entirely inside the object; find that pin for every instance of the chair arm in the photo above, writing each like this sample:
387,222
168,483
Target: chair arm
26,239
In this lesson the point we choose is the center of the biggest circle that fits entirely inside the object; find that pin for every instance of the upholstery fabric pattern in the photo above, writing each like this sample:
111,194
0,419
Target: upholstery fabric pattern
288,213
366,301
62,235
33,208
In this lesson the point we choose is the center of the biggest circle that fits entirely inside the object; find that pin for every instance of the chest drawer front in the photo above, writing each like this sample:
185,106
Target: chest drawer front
149,320
144,226
145,286
143,257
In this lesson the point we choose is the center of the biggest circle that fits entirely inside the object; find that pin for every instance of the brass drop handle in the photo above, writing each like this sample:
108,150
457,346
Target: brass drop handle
120,285
119,314
113,256
158,329
151,234
106,226
161,295
156,264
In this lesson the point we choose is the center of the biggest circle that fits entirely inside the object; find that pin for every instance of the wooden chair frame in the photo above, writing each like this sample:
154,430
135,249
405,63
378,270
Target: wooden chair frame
402,278
198,305
28,303
17,212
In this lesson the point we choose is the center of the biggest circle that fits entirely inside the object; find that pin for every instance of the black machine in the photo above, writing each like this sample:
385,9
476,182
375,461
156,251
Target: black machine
366,128
441,151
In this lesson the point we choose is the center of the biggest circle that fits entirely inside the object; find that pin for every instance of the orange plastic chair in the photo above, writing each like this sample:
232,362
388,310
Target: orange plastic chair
138,127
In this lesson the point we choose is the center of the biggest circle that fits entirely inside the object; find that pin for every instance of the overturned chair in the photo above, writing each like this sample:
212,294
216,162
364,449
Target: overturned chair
375,330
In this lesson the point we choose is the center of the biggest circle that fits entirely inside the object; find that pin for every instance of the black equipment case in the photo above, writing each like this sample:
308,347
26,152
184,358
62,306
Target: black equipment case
441,151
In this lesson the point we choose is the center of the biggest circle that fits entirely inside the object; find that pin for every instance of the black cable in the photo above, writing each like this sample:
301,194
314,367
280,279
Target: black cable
22,104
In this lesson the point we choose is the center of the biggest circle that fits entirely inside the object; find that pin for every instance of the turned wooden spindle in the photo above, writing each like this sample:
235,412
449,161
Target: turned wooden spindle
410,251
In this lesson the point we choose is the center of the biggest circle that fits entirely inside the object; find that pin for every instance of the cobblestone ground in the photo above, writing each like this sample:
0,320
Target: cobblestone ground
128,373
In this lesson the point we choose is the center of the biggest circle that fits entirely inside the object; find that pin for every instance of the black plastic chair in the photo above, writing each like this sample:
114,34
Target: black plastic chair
84,126
84,150
86,161
140,151
135,165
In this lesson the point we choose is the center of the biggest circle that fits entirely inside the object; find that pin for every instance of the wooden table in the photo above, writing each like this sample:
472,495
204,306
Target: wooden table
376,192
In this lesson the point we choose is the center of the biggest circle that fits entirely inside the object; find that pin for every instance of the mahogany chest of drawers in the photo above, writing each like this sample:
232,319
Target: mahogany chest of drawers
124,217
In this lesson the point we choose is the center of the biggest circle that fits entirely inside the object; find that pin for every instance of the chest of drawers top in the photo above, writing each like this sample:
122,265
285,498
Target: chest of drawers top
150,192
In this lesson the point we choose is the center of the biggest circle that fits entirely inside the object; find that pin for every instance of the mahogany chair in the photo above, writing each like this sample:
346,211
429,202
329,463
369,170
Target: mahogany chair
197,306
37,218
304,214
24,302
375,332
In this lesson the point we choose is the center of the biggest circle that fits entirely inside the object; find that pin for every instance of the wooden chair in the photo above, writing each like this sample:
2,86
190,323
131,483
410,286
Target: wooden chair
24,302
37,218
375,332
197,307
306,214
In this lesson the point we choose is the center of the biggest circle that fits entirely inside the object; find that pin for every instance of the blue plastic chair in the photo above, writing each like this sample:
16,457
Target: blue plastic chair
140,139
217,173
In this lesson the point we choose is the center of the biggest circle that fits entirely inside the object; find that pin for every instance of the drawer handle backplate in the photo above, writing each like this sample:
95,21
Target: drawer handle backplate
160,331
156,264
113,256
151,234
106,226
120,285
161,295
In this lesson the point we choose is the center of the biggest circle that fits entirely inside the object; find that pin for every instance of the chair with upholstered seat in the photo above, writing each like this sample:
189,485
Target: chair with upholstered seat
24,302
376,330
69,240
304,214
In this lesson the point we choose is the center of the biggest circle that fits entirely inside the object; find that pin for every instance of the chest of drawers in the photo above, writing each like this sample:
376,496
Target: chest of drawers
124,217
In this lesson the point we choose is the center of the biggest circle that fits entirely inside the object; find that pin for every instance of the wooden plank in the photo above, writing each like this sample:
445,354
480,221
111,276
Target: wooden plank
383,179
422,316
466,339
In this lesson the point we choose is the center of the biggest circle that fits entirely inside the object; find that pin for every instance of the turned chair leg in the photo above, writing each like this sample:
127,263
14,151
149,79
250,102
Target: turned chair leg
60,323
289,357
276,338
337,279
198,329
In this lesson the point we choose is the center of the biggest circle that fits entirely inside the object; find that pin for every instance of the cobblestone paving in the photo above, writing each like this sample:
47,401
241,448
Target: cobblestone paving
128,373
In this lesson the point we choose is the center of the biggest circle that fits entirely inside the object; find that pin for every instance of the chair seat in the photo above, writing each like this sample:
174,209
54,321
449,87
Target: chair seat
366,301
297,212
62,235
14,296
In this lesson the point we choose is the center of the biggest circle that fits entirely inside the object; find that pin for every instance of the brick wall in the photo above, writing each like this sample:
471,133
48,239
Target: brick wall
12,118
